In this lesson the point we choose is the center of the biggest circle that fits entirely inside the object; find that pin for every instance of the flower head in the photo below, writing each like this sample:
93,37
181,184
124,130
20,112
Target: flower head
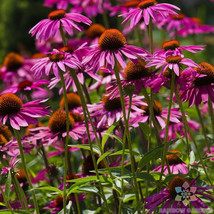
174,200
54,62
170,62
112,45
200,85
19,114
47,28
148,9
176,165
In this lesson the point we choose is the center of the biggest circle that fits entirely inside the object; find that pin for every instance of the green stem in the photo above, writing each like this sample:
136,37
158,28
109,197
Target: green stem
191,135
20,192
127,134
211,113
167,126
77,203
62,35
152,116
203,127
151,35
123,159
66,140
105,18
46,163
25,169
6,201
79,90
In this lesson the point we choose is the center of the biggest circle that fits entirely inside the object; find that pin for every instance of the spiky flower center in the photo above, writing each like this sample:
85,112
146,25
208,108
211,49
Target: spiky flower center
20,175
57,14
3,140
71,176
68,49
177,181
111,104
38,56
206,69
136,71
173,159
157,108
197,20
9,104
170,45
13,61
104,74
24,84
179,16
57,122
77,117
58,201
56,57
112,39
95,31
132,3
88,166
146,3
73,101
5,131
173,59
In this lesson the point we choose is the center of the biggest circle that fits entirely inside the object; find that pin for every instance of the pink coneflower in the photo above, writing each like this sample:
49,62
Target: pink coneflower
159,113
92,7
110,110
176,165
172,199
19,114
171,62
124,8
173,48
178,128
112,44
201,85
12,165
56,129
47,28
26,86
136,75
211,154
195,27
93,33
53,63
147,9
16,68
60,4
174,23
105,79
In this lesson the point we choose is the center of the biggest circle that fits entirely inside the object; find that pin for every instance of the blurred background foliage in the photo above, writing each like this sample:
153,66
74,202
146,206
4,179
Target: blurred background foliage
17,17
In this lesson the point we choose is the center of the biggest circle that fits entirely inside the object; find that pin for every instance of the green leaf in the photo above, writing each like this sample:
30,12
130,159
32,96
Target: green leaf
1,204
116,137
87,147
126,152
90,179
68,206
145,128
106,136
152,155
7,185
103,156
89,189
49,188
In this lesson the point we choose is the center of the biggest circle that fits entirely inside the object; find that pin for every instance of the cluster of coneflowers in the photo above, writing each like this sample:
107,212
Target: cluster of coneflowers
97,122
